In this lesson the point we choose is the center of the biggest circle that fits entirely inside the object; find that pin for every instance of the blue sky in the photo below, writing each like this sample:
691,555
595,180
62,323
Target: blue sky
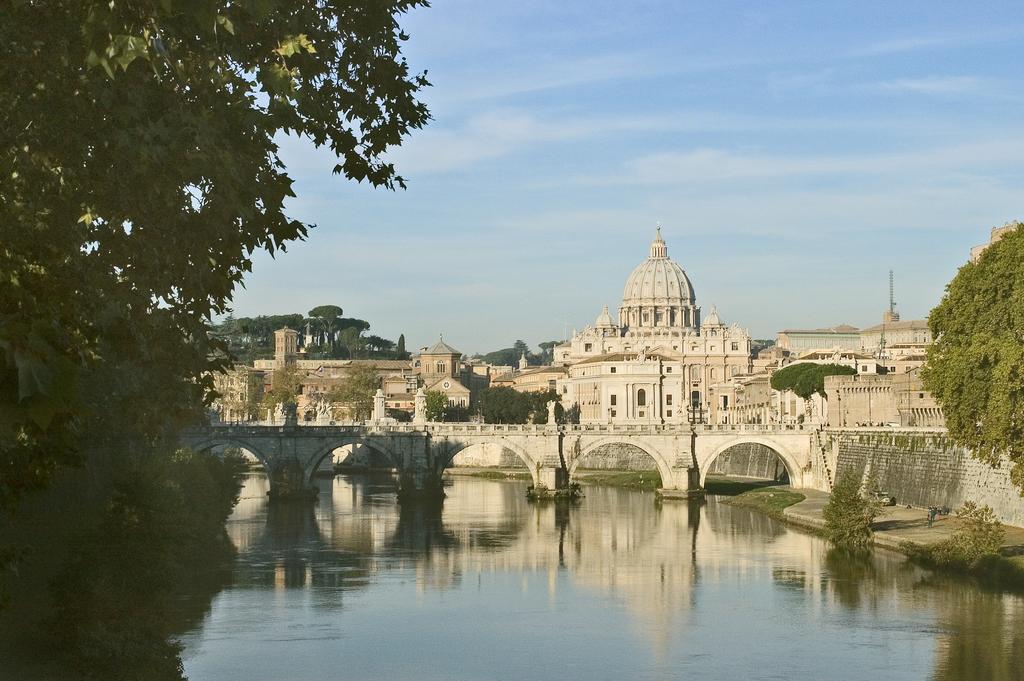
794,152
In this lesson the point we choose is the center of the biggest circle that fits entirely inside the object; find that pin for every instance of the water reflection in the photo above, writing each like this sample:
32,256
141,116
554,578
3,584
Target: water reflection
616,586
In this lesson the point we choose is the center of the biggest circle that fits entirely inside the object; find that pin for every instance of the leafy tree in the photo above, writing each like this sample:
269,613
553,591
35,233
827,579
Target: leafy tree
437,404
808,378
326,317
548,351
507,405
981,534
975,367
848,515
504,405
141,171
355,393
376,345
285,386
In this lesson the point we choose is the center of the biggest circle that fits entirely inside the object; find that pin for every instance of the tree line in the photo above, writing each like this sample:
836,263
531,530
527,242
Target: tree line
330,336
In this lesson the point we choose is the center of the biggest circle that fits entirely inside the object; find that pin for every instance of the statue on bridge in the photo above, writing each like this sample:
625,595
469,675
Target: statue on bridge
379,411
551,412
420,407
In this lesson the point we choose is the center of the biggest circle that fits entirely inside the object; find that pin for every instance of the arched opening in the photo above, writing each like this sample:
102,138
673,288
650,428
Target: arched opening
641,398
743,466
621,464
354,456
221,448
457,454
487,455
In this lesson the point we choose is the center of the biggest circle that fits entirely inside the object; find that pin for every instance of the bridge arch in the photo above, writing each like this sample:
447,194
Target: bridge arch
664,468
789,459
370,442
453,447
209,444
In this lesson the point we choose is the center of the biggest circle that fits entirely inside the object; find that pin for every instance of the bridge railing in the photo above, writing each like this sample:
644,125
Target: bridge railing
755,427
468,428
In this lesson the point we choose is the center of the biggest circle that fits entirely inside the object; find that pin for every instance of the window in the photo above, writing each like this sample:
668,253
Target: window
612,412
695,373
712,373
440,367
735,346
611,400
714,348
641,398
587,347
668,370
735,370
612,370
668,413
693,347
668,399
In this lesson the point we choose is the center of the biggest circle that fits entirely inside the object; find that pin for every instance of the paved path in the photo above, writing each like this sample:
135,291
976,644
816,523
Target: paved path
897,524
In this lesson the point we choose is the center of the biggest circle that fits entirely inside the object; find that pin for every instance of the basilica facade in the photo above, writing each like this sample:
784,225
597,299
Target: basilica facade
656,362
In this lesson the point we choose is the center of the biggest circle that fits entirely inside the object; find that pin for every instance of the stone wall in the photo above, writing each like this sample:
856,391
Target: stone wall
488,455
749,460
618,456
923,468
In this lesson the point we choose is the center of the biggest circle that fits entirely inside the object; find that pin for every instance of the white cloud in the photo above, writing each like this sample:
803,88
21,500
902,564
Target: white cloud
938,85
709,165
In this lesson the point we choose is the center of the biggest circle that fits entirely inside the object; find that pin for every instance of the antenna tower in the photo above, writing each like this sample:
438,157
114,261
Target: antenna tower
893,314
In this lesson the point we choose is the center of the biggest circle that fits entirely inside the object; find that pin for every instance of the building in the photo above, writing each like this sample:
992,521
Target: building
799,341
441,368
532,379
995,235
655,363
895,339
240,392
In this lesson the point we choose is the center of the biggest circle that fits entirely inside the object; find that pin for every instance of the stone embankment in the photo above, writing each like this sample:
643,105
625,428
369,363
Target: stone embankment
894,526
923,468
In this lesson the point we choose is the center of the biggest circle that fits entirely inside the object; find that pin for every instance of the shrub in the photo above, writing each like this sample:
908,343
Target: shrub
848,515
981,535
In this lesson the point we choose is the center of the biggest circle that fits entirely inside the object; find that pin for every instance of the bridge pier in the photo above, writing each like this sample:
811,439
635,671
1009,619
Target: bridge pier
685,484
420,485
289,480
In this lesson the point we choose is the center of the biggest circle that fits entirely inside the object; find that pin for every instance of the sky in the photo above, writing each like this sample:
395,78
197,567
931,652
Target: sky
793,152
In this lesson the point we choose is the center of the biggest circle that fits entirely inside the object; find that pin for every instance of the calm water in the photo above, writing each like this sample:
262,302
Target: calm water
618,587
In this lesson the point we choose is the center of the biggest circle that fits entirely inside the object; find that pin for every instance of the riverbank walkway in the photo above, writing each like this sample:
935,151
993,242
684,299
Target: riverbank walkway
897,524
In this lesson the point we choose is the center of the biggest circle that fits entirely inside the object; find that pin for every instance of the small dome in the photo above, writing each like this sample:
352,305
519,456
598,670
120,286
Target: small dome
713,318
604,320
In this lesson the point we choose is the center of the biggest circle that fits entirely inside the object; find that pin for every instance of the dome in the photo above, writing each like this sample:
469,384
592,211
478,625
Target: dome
658,280
658,293
604,320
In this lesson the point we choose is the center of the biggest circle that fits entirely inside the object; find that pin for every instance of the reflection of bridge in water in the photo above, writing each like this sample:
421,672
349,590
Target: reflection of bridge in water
420,453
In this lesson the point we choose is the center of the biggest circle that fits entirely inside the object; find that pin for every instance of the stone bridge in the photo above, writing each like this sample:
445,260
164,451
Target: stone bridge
420,453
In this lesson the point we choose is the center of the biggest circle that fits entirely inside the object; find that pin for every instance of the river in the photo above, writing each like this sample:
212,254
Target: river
616,587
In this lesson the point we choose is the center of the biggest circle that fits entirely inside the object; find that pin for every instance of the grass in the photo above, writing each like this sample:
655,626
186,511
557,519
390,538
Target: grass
642,480
768,500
